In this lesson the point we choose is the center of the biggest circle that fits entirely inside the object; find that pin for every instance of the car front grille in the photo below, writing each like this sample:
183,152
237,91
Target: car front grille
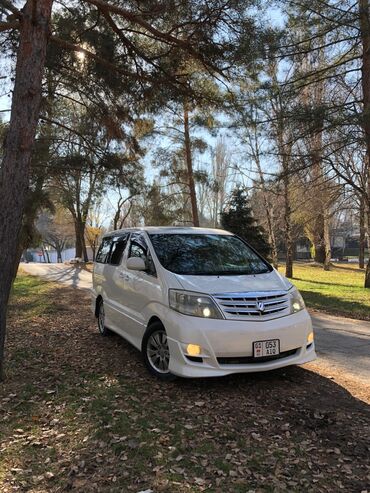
247,360
256,305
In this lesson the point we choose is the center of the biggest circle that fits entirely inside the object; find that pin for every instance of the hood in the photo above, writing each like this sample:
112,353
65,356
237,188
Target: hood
270,281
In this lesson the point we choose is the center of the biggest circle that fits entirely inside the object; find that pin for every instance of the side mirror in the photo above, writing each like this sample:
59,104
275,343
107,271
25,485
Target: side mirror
135,263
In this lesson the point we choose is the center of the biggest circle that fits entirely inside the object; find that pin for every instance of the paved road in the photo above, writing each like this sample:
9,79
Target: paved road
342,343
67,274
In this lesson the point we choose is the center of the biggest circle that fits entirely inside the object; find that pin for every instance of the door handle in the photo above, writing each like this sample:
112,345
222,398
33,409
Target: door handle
124,276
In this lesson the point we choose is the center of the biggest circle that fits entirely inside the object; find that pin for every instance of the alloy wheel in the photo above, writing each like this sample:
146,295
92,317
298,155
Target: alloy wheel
158,352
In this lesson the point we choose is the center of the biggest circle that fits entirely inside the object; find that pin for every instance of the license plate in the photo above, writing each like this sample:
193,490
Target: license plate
266,348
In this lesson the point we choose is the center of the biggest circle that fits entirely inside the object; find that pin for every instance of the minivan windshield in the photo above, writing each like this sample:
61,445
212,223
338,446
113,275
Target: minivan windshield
207,255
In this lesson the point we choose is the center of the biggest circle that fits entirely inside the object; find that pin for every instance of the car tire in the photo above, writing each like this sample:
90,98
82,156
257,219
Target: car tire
156,352
103,330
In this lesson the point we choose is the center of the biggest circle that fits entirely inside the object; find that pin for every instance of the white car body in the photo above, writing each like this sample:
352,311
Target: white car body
133,299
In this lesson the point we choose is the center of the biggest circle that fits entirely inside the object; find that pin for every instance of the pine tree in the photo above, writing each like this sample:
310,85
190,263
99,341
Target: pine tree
238,218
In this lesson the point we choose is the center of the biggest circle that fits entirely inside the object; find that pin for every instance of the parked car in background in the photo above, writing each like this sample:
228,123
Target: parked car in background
198,302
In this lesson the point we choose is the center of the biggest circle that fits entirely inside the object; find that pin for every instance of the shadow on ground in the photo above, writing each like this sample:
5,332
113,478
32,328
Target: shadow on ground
334,304
80,412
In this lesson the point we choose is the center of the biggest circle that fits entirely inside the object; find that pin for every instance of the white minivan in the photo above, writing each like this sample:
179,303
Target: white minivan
198,303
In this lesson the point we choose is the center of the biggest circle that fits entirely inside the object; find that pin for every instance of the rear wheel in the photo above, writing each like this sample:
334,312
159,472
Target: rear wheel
156,352
101,319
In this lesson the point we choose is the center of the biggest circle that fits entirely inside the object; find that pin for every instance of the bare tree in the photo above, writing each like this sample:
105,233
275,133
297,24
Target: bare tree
253,141
56,230
221,171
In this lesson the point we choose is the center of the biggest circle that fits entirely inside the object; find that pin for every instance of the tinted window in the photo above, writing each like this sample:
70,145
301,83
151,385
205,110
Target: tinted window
210,255
119,245
139,248
137,251
104,250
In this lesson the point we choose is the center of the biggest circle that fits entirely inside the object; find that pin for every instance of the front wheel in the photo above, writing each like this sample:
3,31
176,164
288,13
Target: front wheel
156,352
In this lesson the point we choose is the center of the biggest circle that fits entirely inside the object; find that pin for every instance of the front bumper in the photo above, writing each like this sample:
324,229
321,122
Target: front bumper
223,340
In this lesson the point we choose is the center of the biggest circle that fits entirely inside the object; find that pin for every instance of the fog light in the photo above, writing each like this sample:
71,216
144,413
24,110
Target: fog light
310,338
193,349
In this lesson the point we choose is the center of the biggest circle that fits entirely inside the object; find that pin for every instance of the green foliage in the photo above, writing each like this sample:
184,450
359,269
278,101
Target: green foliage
238,218
158,210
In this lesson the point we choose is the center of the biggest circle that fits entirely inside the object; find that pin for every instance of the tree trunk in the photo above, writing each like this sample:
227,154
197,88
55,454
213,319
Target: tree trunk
14,171
361,255
85,257
327,247
269,215
288,225
367,273
79,245
81,250
365,38
319,252
189,165
116,217
272,239
47,255
59,256
319,244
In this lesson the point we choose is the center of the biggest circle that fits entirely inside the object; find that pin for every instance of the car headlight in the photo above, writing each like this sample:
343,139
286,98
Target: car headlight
194,304
296,301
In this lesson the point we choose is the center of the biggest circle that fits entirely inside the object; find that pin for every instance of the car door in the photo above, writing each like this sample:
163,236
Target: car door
140,287
114,282
99,275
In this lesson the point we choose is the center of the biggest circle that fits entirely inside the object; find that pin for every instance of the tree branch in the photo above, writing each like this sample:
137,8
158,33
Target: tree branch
7,26
160,35
9,6
73,47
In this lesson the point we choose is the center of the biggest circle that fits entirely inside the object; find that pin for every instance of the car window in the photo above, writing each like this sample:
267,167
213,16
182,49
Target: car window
119,245
207,255
104,250
139,248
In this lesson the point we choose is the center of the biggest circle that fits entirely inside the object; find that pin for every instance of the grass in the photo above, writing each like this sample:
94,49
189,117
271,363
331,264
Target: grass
32,293
80,412
339,291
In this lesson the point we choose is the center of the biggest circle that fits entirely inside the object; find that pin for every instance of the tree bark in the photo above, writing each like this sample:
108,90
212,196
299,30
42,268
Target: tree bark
365,38
15,167
318,234
319,256
81,250
189,165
